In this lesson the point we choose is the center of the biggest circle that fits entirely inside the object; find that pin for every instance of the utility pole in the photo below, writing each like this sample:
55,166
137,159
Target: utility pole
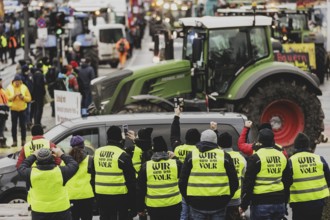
26,26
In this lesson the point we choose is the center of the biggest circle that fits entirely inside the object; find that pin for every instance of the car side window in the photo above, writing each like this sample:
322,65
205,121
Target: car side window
90,135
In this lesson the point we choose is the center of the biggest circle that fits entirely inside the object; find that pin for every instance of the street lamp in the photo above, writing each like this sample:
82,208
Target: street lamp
26,25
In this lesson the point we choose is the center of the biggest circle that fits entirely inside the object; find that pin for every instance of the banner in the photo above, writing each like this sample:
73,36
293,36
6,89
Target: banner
67,105
302,48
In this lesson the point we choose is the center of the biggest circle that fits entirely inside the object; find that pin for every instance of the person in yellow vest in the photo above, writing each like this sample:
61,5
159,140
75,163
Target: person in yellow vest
141,150
46,182
265,180
226,143
38,141
80,186
158,188
181,150
208,179
3,48
18,97
309,181
115,180
4,112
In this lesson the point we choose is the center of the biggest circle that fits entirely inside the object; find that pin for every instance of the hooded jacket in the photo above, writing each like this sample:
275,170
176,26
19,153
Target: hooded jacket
208,203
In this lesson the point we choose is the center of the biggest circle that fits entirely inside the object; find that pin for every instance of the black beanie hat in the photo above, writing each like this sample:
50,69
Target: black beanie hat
266,137
145,133
159,144
225,140
301,141
114,134
265,125
37,130
193,136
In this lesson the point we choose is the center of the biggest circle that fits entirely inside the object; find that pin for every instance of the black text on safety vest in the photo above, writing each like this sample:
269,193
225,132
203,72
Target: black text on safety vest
273,164
161,171
208,160
307,164
35,147
105,159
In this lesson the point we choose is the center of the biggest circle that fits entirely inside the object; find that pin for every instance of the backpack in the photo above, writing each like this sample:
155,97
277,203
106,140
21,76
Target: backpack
121,48
60,82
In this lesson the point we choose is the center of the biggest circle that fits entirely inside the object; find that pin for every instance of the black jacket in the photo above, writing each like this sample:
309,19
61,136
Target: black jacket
253,168
208,202
142,179
85,75
124,163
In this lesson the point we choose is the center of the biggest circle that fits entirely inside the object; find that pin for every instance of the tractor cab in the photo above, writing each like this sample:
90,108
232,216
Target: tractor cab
220,53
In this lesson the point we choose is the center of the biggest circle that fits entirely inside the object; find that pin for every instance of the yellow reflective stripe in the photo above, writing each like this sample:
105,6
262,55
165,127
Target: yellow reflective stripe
162,186
163,196
208,184
267,183
108,174
309,190
109,184
309,178
268,178
207,174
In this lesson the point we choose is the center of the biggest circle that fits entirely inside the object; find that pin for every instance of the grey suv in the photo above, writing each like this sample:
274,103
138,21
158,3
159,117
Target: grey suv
93,129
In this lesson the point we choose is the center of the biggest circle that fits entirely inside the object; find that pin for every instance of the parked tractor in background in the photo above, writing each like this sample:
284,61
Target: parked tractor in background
227,65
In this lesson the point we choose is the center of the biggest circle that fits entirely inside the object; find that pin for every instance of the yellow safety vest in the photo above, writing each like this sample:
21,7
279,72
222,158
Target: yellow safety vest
47,193
109,178
308,178
162,184
208,175
182,151
137,159
269,179
22,103
3,41
45,68
34,145
239,164
79,186
22,40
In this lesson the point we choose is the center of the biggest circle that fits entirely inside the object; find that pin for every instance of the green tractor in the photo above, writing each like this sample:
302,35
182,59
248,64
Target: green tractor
227,65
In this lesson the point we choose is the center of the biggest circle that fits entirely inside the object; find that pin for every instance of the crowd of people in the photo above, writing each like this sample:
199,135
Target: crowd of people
202,178
33,85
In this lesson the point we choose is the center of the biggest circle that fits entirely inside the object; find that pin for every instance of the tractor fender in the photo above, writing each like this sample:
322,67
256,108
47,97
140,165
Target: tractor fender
150,98
243,84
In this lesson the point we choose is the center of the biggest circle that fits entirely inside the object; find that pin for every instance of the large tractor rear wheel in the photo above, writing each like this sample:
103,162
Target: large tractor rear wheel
289,107
321,62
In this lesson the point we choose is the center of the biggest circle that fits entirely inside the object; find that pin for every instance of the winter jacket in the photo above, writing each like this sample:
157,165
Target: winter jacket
15,102
247,148
208,202
86,74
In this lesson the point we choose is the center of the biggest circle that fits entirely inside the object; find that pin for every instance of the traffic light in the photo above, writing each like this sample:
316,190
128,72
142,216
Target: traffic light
59,31
59,23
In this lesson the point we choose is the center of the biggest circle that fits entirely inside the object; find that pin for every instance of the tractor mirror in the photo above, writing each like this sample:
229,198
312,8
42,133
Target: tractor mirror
197,49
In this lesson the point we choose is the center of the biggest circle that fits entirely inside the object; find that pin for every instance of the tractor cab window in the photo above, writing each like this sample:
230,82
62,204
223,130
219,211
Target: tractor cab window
228,52
188,45
258,43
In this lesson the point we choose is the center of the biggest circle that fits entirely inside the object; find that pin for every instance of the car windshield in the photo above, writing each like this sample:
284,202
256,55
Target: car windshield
110,35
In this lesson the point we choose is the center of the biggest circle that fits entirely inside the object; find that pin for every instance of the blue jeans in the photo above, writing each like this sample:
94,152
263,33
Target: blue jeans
267,211
185,213
208,215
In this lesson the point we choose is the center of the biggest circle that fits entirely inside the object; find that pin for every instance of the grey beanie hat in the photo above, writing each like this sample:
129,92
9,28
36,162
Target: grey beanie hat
44,155
209,136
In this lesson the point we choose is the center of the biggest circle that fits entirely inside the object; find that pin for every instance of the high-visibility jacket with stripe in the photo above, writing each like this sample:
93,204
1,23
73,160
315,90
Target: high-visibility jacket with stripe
308,178
208,175
12,43
162,183
183,150
47,193
79,186
239,163
109,178
269,179
137,159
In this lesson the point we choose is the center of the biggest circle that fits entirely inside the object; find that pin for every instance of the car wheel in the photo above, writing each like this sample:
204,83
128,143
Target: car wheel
14,198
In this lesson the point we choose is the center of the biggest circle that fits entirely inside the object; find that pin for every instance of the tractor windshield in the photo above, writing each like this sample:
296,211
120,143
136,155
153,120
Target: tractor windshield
294,22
